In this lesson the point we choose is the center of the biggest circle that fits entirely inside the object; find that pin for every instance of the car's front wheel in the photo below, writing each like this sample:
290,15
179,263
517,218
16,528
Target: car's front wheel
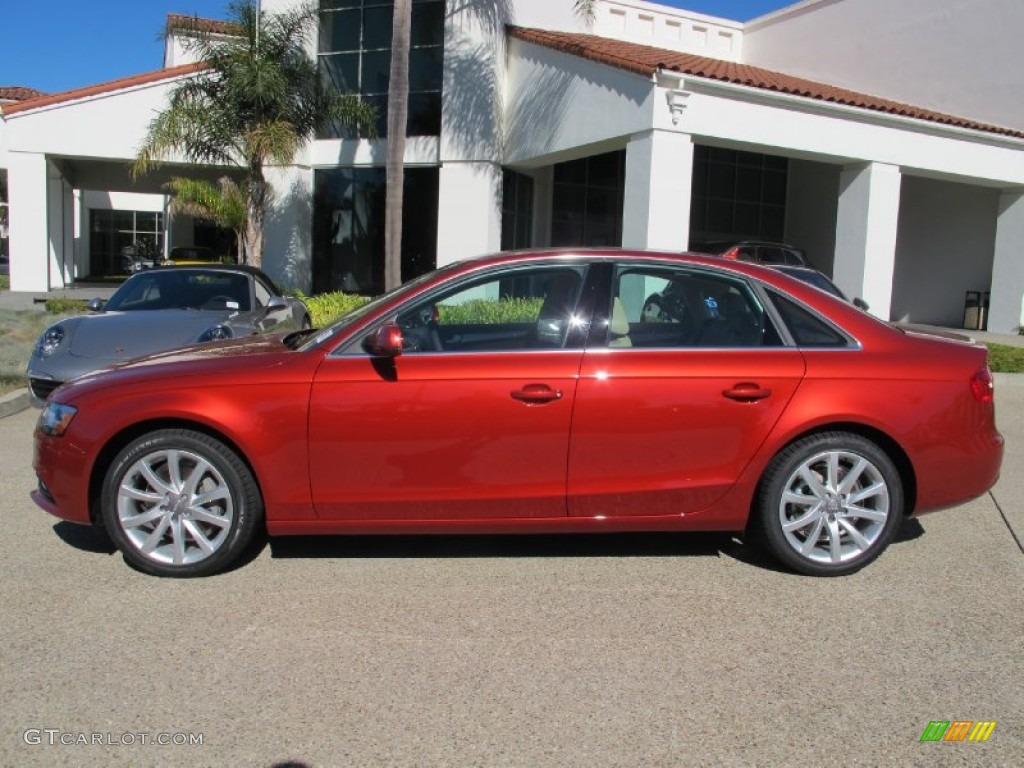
829,504
180,503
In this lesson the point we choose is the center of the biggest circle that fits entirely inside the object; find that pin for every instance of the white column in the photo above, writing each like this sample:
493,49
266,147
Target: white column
865,233
869,207
1006,311
27,215
288,228
469,210
62,228
659,179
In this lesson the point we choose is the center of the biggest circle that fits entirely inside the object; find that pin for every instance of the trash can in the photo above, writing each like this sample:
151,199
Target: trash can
984,310
972,310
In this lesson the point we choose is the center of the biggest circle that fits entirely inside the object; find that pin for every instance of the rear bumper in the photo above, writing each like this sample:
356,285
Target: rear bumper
958,472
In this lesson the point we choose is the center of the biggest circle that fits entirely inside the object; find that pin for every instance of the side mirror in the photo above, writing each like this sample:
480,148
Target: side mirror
859,303
277,303
95,305
386,341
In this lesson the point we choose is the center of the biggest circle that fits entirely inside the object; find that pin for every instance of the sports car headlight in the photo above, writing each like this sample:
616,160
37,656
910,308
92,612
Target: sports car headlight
50,340
56,418
216,333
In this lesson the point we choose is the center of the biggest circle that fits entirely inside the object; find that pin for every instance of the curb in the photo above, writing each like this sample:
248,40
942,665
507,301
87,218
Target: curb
14,402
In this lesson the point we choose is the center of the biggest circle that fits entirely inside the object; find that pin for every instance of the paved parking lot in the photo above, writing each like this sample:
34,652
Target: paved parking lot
626,650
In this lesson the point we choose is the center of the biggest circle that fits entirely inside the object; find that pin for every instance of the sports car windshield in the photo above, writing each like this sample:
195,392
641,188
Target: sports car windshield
183,289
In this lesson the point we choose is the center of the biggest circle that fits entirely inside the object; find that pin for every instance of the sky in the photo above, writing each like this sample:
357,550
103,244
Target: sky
57,45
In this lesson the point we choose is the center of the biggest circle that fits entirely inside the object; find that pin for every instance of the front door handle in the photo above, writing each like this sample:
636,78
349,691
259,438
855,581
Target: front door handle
747,392
537,393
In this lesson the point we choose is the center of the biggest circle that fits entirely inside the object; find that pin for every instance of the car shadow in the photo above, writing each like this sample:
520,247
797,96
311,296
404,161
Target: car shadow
504,545
86,538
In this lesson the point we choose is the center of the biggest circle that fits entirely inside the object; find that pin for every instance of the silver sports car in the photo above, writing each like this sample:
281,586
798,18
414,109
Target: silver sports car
160,309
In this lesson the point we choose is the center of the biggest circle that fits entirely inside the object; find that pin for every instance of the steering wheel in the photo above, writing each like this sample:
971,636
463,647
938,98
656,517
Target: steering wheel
420,329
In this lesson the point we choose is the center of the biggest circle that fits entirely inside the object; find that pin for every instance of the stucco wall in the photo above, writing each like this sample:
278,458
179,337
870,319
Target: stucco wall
944,245
958,56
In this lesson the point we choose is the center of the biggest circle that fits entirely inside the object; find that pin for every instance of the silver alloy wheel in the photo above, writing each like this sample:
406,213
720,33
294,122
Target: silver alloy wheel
834,507
175,507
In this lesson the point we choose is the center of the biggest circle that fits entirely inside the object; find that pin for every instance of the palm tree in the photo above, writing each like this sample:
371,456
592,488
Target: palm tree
258,100
223,203
586,10
398,110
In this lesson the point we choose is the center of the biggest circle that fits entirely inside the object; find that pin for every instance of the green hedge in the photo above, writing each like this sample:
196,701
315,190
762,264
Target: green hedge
491,311
66,306
328,307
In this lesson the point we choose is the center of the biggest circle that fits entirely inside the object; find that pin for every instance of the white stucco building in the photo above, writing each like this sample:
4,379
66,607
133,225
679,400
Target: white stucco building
886,139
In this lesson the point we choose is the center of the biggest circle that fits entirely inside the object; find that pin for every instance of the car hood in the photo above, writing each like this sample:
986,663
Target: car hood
124,335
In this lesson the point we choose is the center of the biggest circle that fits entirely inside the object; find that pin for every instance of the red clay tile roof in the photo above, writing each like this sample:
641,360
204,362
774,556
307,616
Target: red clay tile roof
95,90
18,93
646,60
180,23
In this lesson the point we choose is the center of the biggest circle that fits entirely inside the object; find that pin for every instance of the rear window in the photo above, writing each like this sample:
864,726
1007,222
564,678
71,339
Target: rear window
807,329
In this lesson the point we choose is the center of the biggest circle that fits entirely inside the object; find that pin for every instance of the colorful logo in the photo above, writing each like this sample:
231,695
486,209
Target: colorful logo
958,730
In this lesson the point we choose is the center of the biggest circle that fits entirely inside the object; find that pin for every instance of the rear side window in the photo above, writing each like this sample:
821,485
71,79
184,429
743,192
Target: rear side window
807,329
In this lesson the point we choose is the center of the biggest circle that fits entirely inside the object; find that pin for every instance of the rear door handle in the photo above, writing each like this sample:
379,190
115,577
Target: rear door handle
537,393
747,392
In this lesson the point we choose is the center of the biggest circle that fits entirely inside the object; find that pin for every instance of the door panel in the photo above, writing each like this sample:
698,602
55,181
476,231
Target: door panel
667,432
442,436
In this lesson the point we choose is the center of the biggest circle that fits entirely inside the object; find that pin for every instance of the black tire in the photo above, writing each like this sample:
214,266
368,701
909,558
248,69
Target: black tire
829,504
180,503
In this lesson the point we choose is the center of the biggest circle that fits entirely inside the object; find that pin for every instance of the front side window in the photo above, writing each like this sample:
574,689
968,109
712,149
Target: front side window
527,309
658,307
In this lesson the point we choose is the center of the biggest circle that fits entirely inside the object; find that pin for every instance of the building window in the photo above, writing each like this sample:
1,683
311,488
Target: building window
737,195
355,57
112,232
348,228
516,211
588,195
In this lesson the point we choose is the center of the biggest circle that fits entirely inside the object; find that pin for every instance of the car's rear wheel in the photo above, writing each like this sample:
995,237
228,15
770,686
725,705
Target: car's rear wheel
180,503
829,504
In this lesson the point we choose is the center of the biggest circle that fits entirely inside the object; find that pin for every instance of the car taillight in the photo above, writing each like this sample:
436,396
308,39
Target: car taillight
983,385
732,253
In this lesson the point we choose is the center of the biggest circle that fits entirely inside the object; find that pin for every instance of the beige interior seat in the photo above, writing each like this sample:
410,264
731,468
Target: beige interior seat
619,326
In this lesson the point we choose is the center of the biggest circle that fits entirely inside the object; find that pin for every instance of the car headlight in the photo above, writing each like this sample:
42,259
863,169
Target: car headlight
216,333
50,340
56,418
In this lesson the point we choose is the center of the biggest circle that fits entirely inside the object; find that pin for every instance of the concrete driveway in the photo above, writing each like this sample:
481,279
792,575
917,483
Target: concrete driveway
618,651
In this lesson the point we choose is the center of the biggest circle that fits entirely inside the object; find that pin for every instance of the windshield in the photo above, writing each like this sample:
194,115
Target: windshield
182,289
348,318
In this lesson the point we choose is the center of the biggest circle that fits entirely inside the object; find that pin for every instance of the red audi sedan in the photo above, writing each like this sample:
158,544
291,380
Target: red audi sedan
585,391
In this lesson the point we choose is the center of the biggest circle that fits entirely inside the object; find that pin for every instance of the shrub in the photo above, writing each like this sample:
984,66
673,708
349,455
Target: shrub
65,306
328,307
491,311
